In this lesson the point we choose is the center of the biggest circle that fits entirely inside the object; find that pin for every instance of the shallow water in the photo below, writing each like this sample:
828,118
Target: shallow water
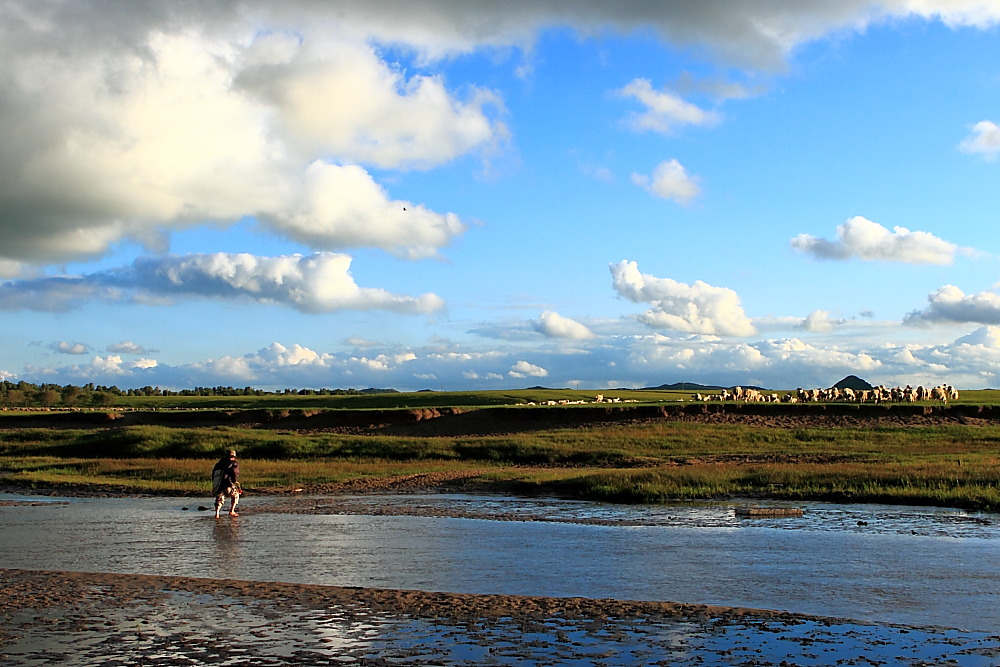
916,566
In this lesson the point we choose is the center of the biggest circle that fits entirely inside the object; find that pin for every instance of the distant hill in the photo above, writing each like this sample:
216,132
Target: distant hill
852,382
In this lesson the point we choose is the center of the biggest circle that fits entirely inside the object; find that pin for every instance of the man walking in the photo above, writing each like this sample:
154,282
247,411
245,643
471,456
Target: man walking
225,482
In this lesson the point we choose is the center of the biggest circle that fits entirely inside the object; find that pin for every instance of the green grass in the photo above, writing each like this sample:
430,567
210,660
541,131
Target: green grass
393,400
189,476
661,461
926,485
440,399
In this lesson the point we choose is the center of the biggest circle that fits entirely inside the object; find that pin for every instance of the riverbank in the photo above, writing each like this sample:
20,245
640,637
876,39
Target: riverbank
901,454
101,619
472,421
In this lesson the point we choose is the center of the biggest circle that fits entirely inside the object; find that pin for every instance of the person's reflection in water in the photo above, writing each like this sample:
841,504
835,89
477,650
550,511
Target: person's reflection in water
226,536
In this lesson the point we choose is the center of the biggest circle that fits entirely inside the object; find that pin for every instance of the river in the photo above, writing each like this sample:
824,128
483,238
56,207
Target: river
887,564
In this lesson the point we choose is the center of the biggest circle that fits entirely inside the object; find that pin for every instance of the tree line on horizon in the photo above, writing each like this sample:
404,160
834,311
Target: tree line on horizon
28,394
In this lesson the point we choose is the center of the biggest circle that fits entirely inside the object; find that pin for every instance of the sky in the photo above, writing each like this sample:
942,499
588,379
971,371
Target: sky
416,194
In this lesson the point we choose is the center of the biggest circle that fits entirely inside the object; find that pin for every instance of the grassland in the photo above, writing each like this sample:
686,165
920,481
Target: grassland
436,399
648,461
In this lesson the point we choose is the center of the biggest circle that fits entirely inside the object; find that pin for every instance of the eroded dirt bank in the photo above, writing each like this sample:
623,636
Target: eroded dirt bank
501,420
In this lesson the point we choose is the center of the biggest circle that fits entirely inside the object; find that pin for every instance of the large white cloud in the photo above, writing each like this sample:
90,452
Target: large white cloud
339,98
698,308
172,124
950,304
316,283
861,238
130,120
758,33
342,206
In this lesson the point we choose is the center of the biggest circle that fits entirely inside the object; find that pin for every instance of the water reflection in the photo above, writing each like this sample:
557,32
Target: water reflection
822,517
157,629
226,537
825,564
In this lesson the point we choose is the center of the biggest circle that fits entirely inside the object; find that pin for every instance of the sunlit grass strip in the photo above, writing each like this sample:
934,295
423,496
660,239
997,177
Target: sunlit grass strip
191,476
650,462
961,487
607,445
937,484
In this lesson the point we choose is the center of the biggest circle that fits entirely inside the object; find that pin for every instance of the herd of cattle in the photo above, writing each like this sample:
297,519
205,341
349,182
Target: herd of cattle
877,394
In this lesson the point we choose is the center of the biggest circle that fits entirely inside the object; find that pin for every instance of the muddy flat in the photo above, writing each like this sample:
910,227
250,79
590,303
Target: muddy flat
399,600
56,618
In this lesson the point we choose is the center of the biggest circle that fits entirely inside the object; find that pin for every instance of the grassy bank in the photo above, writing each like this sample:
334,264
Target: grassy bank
951,465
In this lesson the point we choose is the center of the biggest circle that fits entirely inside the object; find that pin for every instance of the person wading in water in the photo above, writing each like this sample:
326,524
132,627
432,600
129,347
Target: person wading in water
225,482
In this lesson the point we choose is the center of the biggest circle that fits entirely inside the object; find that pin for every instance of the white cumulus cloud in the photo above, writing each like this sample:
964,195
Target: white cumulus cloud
277,354
988,336
820,321
343,206
950,304
339,97
66,347
861,238
317,283
129,121
556,326
665,109
698,308
157,120
670,180
984,140
113,366
650,359
128,347
524,369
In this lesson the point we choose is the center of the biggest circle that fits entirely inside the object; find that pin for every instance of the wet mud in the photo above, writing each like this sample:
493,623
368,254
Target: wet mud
54,618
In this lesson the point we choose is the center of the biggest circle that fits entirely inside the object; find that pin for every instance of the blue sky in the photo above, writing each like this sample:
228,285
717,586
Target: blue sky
487,195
